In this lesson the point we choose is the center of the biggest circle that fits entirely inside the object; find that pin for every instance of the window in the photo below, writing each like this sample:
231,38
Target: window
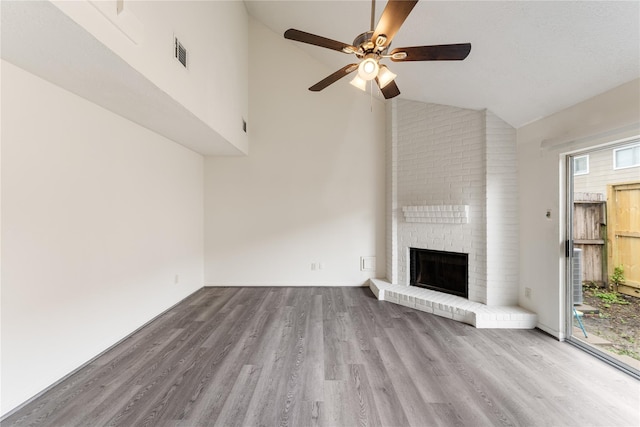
626,157
581,165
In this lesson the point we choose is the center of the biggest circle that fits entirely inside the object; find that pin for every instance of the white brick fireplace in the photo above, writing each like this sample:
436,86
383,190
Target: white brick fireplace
451,186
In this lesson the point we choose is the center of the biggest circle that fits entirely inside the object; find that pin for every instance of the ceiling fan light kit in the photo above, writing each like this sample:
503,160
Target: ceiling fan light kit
359,83
372,46
368,68
385,76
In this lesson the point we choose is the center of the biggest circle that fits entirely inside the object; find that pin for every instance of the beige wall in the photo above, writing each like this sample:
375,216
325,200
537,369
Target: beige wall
601,173
312,188
542,149
101,230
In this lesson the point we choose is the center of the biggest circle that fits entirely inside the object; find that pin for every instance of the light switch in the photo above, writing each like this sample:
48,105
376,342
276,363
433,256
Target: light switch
368,263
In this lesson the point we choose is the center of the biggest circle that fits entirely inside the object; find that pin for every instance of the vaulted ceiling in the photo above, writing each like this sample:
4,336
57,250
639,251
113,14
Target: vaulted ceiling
529,59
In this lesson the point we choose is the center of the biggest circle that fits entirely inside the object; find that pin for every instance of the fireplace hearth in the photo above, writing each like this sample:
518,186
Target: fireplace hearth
440,271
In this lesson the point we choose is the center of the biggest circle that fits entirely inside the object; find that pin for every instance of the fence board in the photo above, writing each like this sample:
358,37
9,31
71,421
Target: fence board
589,232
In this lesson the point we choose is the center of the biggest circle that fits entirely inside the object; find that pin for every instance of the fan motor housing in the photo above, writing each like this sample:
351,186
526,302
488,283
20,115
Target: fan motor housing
365,45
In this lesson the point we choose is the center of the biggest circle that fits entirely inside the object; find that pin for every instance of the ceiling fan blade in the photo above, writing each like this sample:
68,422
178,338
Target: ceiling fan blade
333,77
443,52
389,91
301,36
393,16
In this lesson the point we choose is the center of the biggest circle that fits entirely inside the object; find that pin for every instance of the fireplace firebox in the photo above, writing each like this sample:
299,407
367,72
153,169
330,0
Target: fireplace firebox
441,271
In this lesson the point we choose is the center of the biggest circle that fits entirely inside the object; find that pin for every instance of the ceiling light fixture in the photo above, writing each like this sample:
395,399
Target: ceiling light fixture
370,47
359,83
385,76
368,68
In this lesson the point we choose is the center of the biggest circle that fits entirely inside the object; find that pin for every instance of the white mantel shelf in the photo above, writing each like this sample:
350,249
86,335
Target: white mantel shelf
453,307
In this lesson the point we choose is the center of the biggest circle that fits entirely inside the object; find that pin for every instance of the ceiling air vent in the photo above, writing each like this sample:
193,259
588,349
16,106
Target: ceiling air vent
180,52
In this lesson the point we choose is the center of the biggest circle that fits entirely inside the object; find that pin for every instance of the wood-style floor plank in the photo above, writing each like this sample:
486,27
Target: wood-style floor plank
332,357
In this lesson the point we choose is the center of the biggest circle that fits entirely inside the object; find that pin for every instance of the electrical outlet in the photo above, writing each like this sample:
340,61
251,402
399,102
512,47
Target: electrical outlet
314,266
176,280
527,293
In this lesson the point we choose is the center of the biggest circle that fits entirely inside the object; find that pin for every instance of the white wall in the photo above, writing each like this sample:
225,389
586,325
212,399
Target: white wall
312,188
502,211
542,146
99,215
215,34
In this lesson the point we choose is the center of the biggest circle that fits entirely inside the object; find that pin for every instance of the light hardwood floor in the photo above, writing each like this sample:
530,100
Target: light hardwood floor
332,357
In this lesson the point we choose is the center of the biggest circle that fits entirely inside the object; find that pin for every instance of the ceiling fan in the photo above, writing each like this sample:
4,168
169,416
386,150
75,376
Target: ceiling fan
372,46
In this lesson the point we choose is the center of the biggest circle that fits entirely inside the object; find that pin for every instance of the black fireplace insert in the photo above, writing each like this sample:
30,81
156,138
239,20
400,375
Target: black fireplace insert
440,271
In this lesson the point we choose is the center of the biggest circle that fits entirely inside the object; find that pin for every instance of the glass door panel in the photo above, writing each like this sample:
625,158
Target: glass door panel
603,252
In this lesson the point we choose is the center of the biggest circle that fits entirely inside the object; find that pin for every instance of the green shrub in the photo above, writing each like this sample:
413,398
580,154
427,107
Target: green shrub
617,278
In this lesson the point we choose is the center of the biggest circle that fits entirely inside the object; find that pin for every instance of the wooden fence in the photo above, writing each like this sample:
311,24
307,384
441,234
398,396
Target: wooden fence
590,235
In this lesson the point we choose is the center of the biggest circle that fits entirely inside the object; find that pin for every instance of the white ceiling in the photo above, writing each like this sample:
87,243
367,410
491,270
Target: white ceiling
529,59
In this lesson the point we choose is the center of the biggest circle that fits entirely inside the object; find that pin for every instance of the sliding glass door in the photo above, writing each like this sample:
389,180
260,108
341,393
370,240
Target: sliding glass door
603,253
